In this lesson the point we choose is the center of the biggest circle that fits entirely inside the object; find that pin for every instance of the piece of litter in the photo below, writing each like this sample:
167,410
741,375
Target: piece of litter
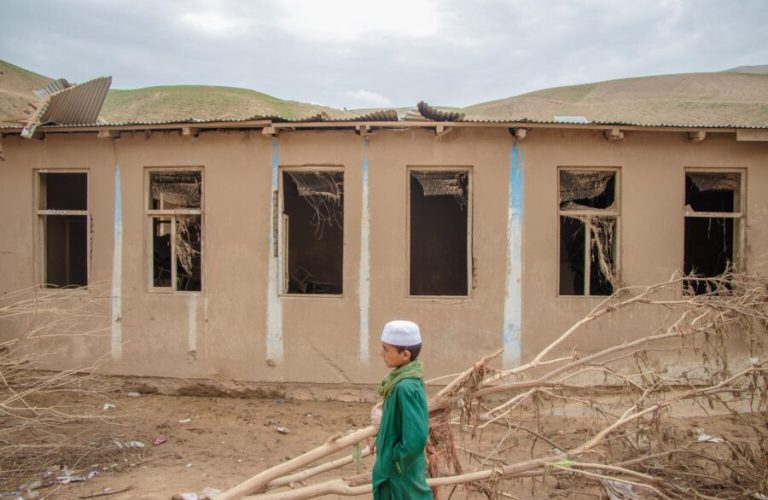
108,406
185,420
210,493
186,496
282,430
706,438
133,394
127,444
618,490
189,464
159,440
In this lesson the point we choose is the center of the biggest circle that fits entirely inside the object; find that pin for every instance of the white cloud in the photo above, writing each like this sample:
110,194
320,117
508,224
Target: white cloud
350,20
367,99
215,24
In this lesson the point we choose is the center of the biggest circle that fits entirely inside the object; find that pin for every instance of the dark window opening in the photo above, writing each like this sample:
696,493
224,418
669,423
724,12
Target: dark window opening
66,250
175,204
67,191
602,265
313,223
710,242
439,223
63,211
587,237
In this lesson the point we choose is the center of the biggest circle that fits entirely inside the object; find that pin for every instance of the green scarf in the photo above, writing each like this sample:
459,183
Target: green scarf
411,370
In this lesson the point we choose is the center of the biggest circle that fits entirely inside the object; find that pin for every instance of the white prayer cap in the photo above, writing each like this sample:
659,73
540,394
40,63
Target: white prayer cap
401,333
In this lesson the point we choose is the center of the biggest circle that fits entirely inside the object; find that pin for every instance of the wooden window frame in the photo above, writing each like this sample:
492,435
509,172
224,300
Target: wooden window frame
151,214
469,170
739,254
281,223
40,220
615,213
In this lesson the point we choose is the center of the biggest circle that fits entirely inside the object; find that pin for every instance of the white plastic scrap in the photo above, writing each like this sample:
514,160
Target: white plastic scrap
706,438
282,430
133,394
618,490
108,406
121,445
185,420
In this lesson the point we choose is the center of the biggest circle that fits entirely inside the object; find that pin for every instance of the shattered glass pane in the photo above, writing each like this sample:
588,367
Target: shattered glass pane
587,189
172,190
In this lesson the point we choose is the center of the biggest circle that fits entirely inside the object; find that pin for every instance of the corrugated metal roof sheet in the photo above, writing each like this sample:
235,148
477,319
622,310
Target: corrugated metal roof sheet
71,106
51,88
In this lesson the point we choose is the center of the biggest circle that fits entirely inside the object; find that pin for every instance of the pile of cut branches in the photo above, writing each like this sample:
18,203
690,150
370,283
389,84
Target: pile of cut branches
610,420
39,424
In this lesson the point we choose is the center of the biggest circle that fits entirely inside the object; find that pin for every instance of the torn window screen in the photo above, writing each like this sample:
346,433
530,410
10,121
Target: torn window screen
171,190
711,243
323,191
588,246
439,227
63,205
444,184
175,211
313,226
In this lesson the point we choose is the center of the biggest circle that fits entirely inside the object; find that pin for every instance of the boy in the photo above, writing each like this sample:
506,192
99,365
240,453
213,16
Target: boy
400,469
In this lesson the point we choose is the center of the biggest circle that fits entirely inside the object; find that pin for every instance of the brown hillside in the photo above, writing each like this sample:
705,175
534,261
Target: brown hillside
17,100
685,99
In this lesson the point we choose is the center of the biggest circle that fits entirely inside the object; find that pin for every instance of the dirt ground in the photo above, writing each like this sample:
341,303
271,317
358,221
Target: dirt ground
207,442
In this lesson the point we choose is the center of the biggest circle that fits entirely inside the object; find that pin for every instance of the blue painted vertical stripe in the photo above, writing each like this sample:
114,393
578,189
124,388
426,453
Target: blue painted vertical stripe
116,337
513,293
274,306
364,291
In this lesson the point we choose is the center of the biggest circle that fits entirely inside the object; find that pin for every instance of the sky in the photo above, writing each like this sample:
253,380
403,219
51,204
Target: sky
385,53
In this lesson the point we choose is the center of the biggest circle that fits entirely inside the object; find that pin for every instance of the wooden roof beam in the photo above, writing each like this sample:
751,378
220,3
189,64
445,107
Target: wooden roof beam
613,134
697,136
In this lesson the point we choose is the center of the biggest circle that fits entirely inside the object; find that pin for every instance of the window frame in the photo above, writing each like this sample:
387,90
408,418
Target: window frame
40,221
469,170
739,254
151,214
596,212
282,238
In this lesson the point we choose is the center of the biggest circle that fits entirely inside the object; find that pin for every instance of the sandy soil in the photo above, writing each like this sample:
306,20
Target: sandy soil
224,442
220,442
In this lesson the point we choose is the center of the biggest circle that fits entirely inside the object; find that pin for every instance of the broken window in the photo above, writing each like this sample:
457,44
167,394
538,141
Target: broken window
439,232
588,232
713,212
63,214
313,231
175,218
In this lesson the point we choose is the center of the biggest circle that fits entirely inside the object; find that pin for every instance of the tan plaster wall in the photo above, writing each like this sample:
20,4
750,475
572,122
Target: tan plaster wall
652,195
321,334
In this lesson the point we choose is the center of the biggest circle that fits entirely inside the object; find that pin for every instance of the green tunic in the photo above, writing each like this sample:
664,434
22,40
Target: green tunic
400,471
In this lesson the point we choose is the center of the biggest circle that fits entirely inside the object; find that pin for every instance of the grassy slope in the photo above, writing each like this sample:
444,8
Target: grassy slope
694,98
16,96
181,102
737,97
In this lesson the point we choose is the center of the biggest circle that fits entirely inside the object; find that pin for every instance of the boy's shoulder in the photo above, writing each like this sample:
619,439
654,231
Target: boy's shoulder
410,385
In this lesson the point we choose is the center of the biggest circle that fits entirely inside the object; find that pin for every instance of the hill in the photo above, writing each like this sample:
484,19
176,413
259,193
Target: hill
737,97
697,99
17,100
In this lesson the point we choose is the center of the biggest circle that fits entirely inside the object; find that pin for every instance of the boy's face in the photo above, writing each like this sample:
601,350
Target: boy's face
394,358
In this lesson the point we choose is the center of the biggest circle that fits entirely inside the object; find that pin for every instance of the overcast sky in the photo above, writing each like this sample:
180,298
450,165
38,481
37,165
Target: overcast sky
358,53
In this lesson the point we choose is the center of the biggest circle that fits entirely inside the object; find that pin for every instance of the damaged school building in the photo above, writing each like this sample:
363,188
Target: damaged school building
274,250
